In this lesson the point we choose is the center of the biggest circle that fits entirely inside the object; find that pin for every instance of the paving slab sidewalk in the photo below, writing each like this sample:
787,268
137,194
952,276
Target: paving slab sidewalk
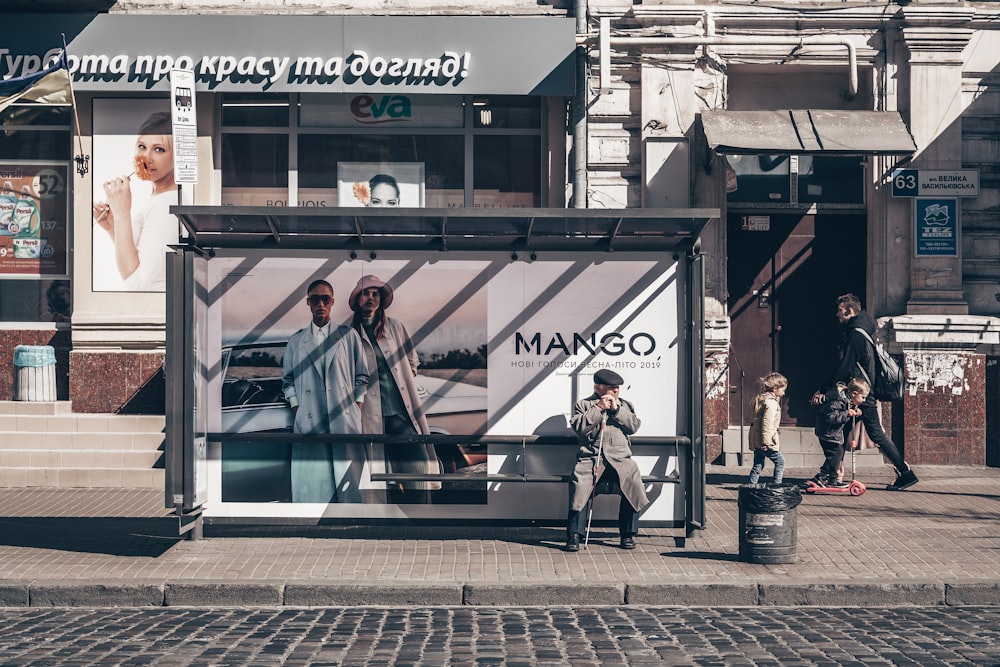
937,543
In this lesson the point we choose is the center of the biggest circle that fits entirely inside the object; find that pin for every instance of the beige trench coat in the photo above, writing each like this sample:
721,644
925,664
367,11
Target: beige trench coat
766,419
324,473
616,452
401,356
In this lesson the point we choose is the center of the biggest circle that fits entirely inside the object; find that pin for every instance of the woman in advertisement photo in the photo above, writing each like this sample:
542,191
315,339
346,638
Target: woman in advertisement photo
380,184
393,402
382,191
141,230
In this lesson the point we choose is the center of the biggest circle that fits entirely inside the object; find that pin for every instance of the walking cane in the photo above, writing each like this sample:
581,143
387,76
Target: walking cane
593,491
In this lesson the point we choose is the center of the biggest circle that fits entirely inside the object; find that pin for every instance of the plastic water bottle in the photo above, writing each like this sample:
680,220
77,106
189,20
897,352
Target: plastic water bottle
8,200
25,216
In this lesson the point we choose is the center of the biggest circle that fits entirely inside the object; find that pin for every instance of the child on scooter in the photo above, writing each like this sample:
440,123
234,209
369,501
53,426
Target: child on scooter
833,427
764,428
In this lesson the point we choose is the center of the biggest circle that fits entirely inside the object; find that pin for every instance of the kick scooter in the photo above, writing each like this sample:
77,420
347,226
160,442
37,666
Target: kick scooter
855,488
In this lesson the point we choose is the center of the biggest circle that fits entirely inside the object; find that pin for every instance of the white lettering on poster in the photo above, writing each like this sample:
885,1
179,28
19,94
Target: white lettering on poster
449,68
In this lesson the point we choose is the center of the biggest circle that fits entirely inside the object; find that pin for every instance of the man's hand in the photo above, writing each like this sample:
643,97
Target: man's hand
817,398
608,402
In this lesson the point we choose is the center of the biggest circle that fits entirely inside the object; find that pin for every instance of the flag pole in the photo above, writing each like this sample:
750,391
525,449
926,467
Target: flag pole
82,160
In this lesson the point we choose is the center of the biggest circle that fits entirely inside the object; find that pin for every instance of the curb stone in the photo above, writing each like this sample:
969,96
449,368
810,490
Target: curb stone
826,594
14,594
222,594
972,593
319,594
693,595
74,594
514,595
417,594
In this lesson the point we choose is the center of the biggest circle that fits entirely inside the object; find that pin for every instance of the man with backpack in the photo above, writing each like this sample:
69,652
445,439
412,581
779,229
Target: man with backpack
857,360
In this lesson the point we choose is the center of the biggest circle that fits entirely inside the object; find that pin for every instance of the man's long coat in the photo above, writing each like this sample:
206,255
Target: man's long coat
616,452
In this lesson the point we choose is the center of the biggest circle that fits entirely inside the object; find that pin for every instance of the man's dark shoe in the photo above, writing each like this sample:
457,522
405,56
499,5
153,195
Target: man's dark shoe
839,484
904,481
573,542
628,543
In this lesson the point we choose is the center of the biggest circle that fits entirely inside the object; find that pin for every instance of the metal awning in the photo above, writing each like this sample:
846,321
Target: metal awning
807,131
634,229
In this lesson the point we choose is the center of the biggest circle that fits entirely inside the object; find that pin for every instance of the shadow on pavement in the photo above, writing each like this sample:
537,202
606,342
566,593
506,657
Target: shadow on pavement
525,535
702,555
149,538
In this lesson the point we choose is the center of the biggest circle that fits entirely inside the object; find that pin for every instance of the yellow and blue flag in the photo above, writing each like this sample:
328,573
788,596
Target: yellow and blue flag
48,86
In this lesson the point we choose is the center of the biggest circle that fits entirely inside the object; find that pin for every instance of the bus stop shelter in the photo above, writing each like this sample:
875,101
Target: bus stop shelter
510,312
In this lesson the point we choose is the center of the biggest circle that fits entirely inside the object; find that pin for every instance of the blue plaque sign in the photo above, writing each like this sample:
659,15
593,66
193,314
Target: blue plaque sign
936,227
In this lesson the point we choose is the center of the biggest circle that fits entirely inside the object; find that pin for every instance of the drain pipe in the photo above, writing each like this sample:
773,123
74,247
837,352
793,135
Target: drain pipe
580,184
739,40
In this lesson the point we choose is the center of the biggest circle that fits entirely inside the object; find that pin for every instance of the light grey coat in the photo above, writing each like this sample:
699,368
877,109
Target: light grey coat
322,472
616,452
401,357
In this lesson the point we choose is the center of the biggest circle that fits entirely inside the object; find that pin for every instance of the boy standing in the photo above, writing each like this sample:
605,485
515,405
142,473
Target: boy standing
840,407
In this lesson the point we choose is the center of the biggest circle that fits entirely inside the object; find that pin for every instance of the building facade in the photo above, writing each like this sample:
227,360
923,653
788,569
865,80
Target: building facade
850,147
787,118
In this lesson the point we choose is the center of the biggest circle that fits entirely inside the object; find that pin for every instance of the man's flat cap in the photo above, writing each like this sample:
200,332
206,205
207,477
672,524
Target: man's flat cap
604,376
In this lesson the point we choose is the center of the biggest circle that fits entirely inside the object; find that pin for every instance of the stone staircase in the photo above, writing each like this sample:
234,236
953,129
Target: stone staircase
799,446
46,444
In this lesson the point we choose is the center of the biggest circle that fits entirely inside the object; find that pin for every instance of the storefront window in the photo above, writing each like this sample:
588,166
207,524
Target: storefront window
35,132
255,162
247,110
798,179
35,154
507,172
831,179
507,112
425,142
760,178
442,157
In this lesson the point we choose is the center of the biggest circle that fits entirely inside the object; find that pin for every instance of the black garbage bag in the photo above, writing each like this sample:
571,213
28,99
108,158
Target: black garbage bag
769,498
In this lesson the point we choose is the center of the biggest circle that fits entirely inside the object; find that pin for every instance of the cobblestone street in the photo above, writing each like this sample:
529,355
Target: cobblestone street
502,636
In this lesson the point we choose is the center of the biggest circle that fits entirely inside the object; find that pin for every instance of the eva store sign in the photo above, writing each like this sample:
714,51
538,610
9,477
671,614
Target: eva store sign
369,110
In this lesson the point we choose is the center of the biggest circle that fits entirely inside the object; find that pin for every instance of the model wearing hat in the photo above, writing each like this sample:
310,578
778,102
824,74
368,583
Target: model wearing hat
392,404
605,411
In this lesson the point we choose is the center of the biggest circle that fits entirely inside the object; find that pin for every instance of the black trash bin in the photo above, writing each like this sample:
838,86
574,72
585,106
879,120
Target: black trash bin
768,524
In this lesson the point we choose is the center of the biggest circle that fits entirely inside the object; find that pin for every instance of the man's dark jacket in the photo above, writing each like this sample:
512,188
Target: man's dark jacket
855,349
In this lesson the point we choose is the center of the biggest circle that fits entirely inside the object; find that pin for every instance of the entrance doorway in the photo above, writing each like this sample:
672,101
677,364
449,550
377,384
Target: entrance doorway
784,273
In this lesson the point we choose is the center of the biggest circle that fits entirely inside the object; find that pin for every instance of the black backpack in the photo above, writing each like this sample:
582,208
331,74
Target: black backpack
889,381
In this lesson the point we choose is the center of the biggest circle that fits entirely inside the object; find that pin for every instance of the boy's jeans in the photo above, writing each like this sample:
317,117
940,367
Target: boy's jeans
758,464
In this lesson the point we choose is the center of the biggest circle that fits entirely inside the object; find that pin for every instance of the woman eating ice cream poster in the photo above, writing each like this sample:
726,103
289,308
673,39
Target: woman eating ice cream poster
132,207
